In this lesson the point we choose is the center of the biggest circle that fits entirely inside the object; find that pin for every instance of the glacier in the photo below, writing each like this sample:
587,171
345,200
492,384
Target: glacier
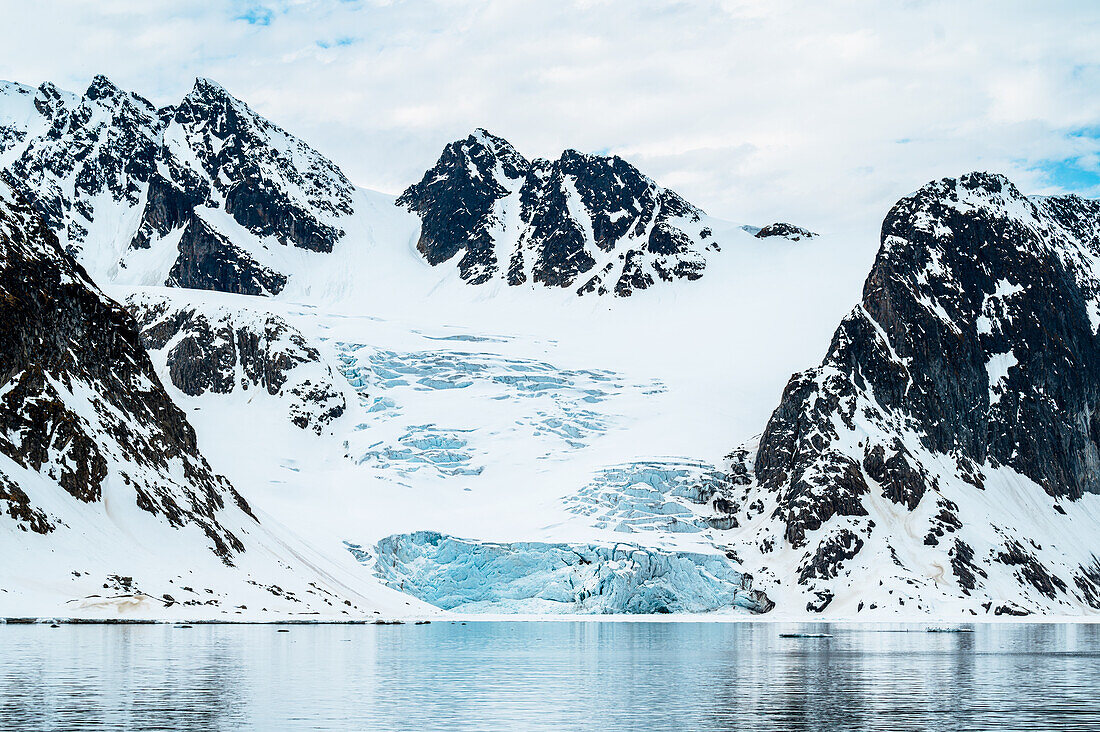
542,577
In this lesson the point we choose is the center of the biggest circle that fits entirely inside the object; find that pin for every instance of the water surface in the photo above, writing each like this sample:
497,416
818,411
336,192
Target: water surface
548,676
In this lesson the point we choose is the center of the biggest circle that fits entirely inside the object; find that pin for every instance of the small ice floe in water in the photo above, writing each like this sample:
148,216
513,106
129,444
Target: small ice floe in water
805,635
941,629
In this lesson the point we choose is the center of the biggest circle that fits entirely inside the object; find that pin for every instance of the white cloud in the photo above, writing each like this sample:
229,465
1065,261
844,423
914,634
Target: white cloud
822,113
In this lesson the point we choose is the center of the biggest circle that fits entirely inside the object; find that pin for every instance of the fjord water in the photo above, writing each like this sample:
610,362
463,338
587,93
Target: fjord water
548,676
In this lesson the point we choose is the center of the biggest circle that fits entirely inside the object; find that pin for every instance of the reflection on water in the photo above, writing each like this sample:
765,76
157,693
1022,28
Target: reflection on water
548,676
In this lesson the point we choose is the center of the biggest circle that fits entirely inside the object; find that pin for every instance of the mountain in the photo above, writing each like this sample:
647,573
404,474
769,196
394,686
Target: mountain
82,410
204,194
207,194
107,504
587,222
205,348
944,456
398,434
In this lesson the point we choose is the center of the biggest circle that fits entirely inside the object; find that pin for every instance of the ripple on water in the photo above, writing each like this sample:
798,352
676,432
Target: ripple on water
549,676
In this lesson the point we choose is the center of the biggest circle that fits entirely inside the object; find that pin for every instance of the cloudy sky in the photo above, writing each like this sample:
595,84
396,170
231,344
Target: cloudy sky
821,113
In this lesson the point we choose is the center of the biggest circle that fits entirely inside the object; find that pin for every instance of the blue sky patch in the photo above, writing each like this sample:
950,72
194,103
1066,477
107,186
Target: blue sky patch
257,15
338,42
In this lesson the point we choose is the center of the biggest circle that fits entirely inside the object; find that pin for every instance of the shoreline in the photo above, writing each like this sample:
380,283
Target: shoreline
467,619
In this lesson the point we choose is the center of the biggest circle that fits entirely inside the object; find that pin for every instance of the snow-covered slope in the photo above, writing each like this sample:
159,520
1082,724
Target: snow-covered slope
944,456
585,222
489,433
107,505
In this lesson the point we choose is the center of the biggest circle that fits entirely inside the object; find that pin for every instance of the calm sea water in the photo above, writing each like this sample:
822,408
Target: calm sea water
548,676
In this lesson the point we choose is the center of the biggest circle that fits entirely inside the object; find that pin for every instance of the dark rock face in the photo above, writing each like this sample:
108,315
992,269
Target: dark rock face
830,556
957,288
208,261
259,170
787,231
86,162
218,350
457,209
80,405
974,350
583,221
166,208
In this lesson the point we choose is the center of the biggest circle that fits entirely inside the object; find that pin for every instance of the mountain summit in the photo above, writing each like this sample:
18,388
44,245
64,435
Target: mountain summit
588,222
202,194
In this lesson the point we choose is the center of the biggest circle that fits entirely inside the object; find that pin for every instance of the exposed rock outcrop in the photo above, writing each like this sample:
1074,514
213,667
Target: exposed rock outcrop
960,400
114,176
81,409
587,222
210,349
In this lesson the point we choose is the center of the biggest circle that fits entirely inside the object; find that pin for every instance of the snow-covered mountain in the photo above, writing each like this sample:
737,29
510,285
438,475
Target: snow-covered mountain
419,402
587,222
204,194
107,505
944,457
83,411
207,194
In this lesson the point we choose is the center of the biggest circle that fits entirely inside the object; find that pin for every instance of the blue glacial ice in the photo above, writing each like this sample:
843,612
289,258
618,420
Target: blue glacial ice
559,409
658,495
536,577
424,446
512,378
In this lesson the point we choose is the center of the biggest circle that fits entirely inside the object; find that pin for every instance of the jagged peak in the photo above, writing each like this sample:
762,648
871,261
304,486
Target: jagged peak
501,149
102,87
206,85
49,100
971,187
572,152
208,98
103,90
927,207
984,180
49,90
484,137
571,158
207,93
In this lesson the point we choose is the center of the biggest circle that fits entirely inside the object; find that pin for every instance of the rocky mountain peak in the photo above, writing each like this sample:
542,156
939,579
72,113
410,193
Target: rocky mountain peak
113,176
487,150
589,222
69,150
272,183
102,88
971,366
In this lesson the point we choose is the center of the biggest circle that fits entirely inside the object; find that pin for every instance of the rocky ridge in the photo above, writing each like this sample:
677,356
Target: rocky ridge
947,446
587,222
82,412
222,349
126,186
